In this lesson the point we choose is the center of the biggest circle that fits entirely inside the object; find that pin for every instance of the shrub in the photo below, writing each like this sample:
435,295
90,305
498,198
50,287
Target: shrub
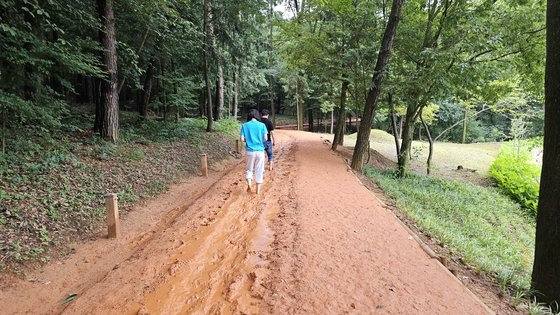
516,174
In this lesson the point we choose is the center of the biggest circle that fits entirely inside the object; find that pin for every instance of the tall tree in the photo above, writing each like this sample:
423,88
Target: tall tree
546,269
235,89
362,141
109,98
219,93
270,55
208,35
341,117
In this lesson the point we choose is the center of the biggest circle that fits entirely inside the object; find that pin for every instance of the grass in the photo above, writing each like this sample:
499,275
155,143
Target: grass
486,228
52,182
447,156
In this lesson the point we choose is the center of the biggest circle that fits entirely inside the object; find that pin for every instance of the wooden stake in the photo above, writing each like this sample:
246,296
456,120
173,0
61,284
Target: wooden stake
237,146
204,165
112,210
443,261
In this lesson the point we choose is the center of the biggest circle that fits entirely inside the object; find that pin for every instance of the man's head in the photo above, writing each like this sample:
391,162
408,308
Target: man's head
265,113
253,113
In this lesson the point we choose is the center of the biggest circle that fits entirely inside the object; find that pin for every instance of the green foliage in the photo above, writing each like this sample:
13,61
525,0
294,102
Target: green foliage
517,174
150,130
52,185
487,229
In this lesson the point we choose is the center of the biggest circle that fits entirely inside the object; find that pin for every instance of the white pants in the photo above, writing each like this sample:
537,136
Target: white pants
255,165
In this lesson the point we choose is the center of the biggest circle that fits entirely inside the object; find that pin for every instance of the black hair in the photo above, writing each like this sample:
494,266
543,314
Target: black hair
265,112
253,113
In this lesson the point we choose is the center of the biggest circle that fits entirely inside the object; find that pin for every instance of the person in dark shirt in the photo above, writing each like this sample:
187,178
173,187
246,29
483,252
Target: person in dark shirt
270,143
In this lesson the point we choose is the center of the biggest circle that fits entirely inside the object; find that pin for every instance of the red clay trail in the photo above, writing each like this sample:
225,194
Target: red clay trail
316,242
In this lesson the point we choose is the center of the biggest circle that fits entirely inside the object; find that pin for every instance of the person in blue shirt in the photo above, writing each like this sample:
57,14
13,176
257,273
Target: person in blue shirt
254,134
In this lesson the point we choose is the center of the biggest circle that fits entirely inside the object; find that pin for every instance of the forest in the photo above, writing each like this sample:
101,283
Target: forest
104,88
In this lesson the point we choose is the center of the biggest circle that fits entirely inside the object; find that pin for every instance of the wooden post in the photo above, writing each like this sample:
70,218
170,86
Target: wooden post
237,146
112,210
204,165
444,261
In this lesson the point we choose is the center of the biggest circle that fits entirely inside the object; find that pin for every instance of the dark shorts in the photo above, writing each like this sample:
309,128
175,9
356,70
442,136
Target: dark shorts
268,149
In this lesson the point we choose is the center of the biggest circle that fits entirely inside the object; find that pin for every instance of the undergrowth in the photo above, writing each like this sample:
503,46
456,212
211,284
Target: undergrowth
52,182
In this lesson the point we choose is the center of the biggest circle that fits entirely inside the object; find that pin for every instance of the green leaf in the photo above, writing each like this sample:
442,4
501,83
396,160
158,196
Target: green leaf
69,298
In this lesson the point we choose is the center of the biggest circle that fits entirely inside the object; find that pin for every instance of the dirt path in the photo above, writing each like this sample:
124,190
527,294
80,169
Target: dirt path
316,241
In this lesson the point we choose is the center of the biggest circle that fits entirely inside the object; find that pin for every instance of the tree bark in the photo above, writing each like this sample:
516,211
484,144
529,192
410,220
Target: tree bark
235,88
271,88
219,94
148,83
310,120
465,120
99,109
401,122
163,89
109,97
332,121
4,118
383,58
546,268
341,117
209,33
431,142
394,124
299,106
407,137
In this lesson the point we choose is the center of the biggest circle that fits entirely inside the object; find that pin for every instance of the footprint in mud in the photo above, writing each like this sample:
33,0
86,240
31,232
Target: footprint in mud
233,288
217,256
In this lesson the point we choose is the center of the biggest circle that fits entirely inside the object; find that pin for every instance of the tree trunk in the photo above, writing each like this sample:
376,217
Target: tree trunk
407,137
271,88
546,268
209,33
148,83
465,120
219,94
163,89
229,96
310,120
341,117
99,109
332,121
431,142
401,122
109,96
235,88
4,118
383,58
299,107
394,124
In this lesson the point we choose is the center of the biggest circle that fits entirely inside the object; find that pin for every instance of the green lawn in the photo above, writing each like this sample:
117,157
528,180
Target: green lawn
447,156
486,228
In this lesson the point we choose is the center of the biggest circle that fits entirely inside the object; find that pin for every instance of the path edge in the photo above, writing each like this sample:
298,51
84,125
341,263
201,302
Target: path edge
430,252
